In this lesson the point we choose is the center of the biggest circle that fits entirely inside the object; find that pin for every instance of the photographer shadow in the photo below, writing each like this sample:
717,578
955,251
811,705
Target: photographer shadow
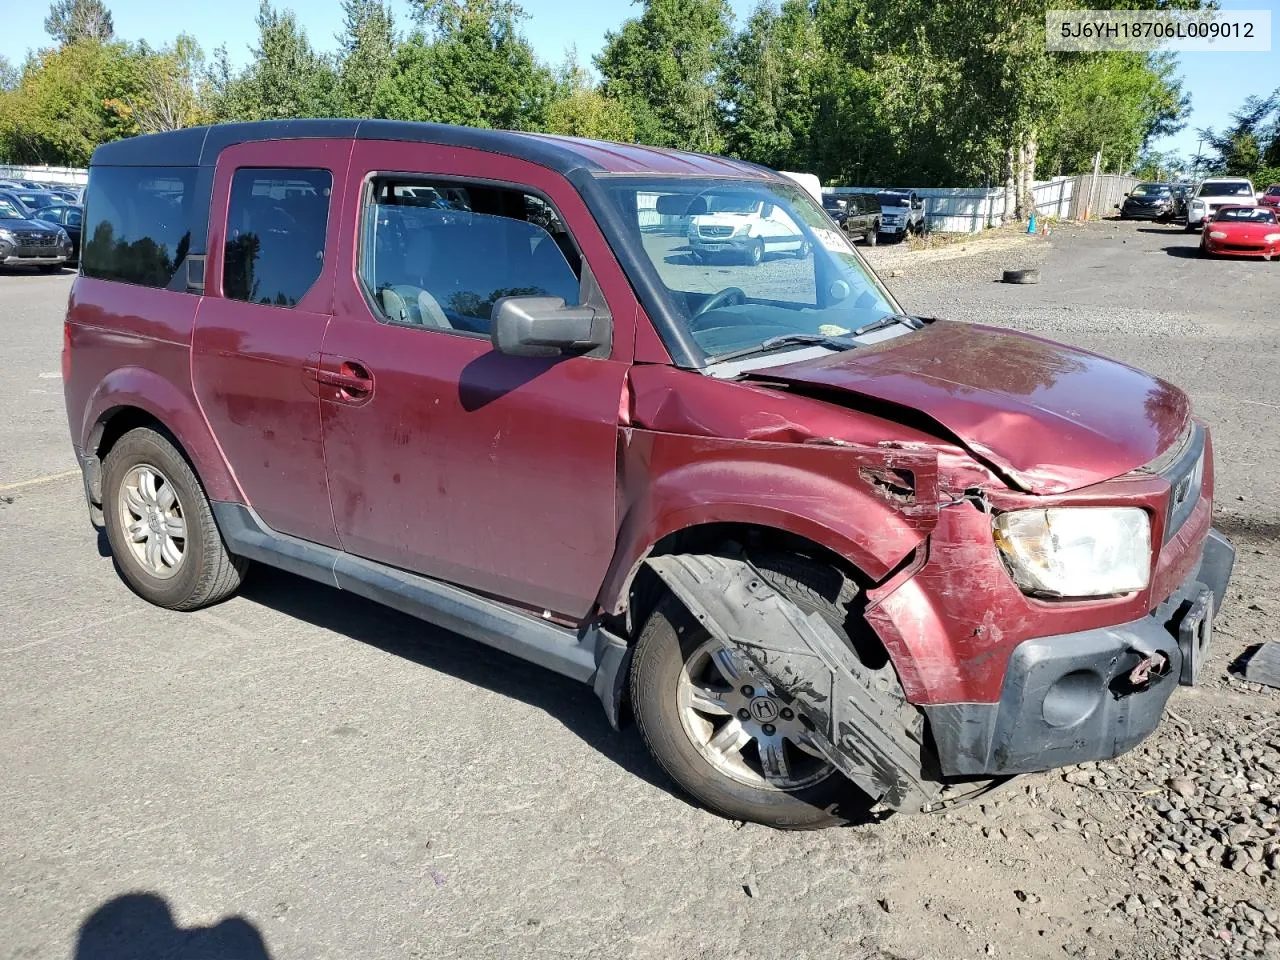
140,926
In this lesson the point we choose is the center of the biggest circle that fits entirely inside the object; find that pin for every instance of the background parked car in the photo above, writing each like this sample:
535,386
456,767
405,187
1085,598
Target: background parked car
32,200
862,217
1148,201
70,217
837,209
1271,197
1215,193
1242,231
25,241
902,213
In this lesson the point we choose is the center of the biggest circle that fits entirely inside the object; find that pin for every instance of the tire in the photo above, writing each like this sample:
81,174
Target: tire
1191,228
873,235
803,251
1021,276
755,253
50,268
699,256
671,640
205,572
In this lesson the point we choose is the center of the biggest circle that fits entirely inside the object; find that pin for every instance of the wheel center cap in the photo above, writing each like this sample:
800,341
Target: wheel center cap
763,709
154,523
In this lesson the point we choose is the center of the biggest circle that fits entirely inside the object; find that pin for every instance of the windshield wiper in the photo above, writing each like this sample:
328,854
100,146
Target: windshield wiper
786,340
888,320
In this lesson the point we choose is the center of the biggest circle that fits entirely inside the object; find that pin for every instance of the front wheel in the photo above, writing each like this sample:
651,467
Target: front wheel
161,530
873,236
721,732
755,253
803,251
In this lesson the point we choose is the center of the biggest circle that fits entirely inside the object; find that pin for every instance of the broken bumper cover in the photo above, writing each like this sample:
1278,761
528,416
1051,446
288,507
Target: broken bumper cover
1069,698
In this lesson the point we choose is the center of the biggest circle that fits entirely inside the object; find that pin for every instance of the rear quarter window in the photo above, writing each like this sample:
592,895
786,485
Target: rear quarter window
139,223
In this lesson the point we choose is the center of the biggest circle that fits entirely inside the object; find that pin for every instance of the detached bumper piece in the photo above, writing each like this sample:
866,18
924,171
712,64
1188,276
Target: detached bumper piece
865,729
1090,695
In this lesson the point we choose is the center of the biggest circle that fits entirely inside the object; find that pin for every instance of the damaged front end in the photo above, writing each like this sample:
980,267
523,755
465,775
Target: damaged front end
857,717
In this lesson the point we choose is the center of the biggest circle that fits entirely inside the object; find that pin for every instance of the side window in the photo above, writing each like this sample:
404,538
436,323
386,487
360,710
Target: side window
276,225
440,255
140,223
74,217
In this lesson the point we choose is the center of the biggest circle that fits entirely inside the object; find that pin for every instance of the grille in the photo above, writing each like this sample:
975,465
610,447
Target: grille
716,231
1242,246
36,240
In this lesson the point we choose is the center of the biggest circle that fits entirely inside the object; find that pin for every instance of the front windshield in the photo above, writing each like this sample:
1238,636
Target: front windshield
895,200
38,201
783,270
1247,214
10,211
1151,190
1226,188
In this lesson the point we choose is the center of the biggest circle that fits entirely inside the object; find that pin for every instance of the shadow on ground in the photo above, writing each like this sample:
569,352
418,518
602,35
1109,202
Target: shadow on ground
1189,253
574,704
139,926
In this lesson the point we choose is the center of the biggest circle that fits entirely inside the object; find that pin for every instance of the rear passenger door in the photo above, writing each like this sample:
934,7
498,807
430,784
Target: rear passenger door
268,297
446,457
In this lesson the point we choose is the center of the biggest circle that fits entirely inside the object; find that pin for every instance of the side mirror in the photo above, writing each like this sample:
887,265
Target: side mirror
546,327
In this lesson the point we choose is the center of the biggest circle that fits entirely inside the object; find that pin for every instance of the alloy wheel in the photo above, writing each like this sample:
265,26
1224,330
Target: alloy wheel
153,520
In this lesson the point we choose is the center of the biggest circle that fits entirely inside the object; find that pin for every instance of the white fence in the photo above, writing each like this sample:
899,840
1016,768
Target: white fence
970,209
71,175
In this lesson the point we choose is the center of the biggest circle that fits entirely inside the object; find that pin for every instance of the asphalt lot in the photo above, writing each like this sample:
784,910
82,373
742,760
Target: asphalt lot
353,783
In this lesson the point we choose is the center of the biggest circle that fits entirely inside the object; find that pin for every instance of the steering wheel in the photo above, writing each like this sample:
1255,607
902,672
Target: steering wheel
729,296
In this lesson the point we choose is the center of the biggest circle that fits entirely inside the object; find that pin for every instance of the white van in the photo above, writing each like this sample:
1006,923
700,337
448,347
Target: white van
745,227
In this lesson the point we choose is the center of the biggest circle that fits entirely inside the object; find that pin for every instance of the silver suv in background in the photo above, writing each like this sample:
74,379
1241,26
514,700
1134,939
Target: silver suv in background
902,213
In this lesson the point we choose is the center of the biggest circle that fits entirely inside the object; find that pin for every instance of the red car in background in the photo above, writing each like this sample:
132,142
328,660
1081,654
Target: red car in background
1242,232
1272,197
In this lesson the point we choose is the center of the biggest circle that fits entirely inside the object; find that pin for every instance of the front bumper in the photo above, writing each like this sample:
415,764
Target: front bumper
16,261
721,244
1067,699
1145,213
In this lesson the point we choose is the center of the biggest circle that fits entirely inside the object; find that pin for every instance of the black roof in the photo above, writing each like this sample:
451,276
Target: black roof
200,146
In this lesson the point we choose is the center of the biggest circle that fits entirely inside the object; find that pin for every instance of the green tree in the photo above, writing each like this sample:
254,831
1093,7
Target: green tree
665,66
772,79
579,108
366,54
70,21
467,63
1250,141
60,110
9,75
286,77
166,98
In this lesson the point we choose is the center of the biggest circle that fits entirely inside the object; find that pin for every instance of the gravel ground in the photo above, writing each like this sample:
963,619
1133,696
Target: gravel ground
303,774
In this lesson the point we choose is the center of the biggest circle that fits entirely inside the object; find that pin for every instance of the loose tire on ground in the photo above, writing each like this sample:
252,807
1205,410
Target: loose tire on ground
1021,276
670,637
206,572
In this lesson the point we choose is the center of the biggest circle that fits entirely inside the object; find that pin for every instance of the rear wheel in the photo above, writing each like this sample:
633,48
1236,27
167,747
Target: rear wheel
161,530
723,734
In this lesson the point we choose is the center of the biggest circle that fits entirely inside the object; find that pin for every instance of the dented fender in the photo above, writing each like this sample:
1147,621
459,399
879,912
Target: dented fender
871,504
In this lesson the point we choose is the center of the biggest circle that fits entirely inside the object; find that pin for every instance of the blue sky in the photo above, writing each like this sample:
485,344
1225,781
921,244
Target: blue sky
1217,82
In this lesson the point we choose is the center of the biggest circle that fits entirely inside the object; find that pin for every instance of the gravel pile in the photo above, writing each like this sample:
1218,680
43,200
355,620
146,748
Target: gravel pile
1203,838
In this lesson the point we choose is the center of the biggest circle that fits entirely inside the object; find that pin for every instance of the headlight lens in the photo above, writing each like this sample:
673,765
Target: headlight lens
1076,551
1272,238
742,230
7,236
1217,235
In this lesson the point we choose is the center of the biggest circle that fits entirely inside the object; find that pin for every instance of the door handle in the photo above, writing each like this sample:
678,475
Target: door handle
352,380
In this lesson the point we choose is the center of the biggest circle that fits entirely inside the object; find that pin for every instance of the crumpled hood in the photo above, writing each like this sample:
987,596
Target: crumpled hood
1049,417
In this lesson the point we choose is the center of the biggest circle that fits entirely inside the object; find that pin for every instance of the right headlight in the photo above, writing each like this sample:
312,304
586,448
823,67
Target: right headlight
1076,551
7,236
